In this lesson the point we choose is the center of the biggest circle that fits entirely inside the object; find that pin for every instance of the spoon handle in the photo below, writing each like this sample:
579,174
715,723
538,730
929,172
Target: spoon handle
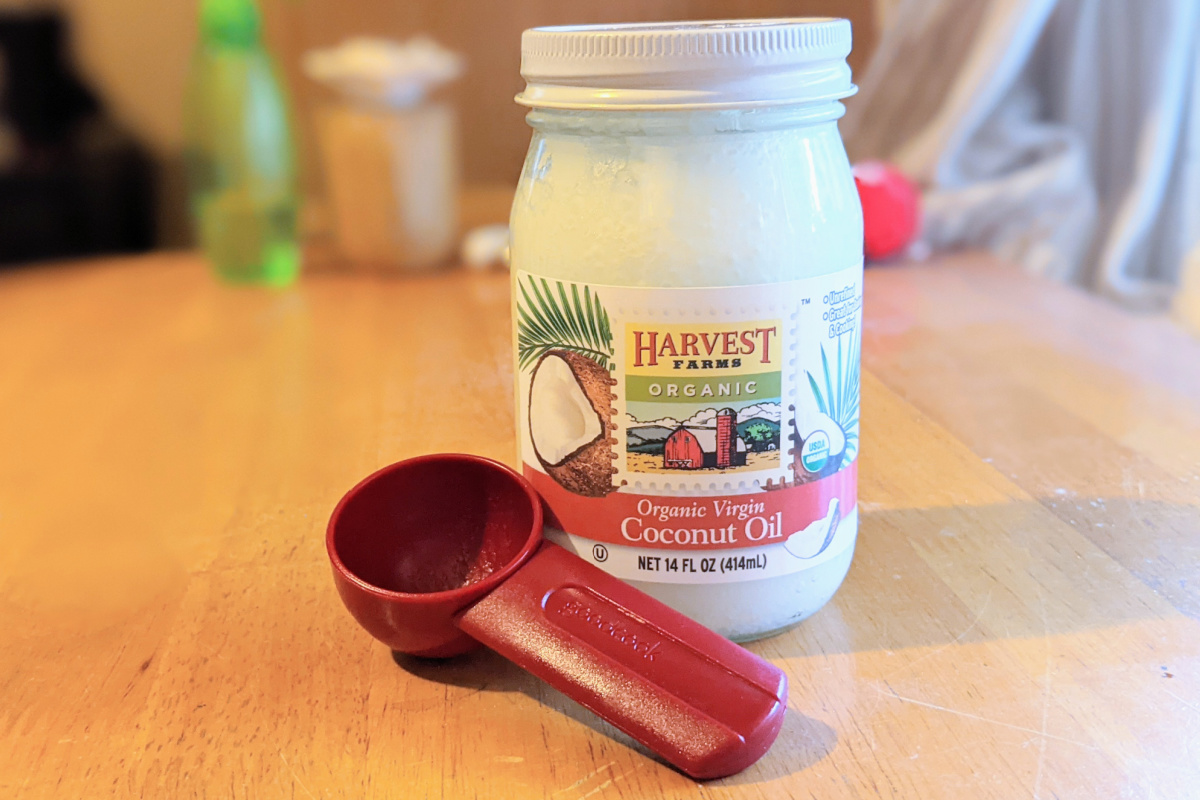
701,702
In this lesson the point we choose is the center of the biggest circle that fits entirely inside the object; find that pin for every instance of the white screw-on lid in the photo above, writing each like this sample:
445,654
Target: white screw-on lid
681,65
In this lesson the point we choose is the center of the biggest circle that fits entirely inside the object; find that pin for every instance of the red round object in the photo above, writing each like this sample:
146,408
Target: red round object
438,554
891,205
416,542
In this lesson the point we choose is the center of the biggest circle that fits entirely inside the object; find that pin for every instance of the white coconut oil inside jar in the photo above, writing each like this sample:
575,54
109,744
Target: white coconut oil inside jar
726,192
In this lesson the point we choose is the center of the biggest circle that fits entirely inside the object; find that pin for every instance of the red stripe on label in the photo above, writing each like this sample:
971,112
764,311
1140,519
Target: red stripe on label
721,522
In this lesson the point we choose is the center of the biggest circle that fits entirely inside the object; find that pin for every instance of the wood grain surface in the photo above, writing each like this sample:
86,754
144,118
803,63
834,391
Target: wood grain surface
1022,619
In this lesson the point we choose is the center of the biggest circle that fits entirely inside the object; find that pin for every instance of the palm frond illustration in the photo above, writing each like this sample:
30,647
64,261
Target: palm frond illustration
837,395
561,316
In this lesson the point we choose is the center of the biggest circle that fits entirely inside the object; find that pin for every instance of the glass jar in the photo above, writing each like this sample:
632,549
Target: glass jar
687,283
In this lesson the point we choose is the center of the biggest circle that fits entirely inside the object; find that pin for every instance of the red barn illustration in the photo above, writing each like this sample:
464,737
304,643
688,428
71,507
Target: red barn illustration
694,448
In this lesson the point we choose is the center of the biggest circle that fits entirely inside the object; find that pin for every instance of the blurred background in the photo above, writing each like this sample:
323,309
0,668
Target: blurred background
1060,134
132,58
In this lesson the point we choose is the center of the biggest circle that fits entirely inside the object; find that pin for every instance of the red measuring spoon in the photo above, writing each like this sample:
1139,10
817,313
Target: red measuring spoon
440,553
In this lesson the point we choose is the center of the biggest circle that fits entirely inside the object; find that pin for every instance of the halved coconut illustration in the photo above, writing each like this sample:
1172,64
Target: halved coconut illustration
820,447
570,421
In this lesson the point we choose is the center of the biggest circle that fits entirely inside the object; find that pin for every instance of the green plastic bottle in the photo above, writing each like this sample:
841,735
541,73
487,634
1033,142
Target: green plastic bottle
240,159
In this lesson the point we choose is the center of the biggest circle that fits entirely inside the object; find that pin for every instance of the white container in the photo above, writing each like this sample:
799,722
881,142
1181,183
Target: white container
390,156
687,275
392,178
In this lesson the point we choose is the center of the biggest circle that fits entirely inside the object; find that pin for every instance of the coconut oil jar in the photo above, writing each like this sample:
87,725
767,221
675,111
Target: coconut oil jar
687,292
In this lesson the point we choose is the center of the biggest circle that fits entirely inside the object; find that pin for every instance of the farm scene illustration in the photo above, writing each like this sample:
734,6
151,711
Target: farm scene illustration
726,439
566,358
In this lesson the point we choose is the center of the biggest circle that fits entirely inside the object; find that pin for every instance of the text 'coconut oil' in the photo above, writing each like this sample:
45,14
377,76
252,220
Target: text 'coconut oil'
687,295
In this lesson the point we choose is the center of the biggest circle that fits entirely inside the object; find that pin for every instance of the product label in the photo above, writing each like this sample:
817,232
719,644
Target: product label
693,435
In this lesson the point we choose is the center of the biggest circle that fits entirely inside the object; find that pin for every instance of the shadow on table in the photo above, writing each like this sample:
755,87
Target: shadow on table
939,576
804,739
927,577
481,670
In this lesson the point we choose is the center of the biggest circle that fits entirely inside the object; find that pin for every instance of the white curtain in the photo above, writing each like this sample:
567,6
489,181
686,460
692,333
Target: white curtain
1061,134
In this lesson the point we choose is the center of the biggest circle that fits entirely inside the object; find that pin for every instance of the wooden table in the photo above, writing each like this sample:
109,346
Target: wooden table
1022,618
